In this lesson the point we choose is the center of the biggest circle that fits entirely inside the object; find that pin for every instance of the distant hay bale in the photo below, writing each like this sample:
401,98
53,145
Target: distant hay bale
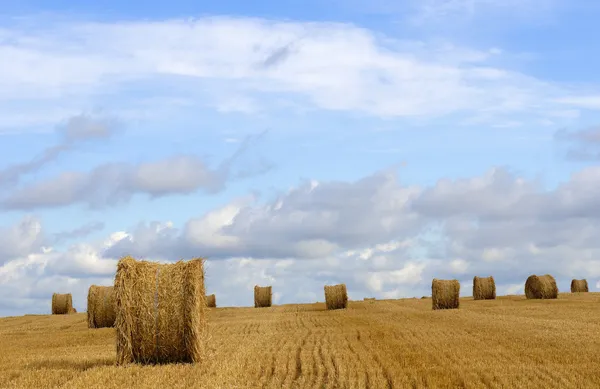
211,301
336,296
101,307
424,297
445,294
541,287
62,304
160,311
484,288
262,296
72,310
579,286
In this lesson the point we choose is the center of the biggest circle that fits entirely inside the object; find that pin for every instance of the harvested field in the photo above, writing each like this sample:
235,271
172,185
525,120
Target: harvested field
510,342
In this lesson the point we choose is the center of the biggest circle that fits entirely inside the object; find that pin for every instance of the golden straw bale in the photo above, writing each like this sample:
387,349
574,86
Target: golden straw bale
578,286
72,310
262,296
61,303
445,294
336,296
541,287
484,288
160,311
211,301
101,306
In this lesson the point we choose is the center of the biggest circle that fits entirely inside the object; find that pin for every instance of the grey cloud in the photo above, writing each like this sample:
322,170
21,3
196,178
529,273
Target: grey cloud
85,127
308,222
115,183
496,224
581,145
76,129
277,56
21,239
80,232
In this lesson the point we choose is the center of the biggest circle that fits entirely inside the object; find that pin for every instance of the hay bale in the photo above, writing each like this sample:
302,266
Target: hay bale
72,310
484,288
62,304
160,311
211,301
445,294
541,287
101,307
336,296
579,286
262,296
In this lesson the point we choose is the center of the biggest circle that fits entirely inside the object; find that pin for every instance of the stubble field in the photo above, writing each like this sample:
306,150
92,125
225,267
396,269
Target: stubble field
508,343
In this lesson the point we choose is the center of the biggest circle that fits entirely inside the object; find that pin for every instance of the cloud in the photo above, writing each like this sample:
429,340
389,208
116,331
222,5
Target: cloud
311,221
582,145
23,238
78,233
497,222
436,11
588,102
244,63
116,183
76,130
379,236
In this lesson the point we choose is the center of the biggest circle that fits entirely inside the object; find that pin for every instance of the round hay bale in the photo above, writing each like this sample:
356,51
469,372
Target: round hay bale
62,304
579,286
262,296
211,301
445,294
101,307
336,296
73,310
160,311
541,287
484,288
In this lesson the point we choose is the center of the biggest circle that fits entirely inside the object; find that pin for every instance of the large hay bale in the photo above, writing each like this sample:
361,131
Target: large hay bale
484,288
160,311
211,301
101,307
445,294
262,296
62,304
579,286
541,287
336,296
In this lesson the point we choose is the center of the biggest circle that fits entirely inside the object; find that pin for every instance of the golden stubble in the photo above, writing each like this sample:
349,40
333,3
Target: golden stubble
510,342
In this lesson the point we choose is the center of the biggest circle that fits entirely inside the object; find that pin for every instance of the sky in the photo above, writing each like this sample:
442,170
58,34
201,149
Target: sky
298,144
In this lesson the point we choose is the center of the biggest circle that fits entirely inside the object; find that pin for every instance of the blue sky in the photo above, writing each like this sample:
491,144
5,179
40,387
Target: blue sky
298,143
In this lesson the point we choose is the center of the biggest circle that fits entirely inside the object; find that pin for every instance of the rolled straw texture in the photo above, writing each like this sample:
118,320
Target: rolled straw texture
101,307
262,296
579,286
541,287
445,294
62,304
160,311
484,288
336,296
